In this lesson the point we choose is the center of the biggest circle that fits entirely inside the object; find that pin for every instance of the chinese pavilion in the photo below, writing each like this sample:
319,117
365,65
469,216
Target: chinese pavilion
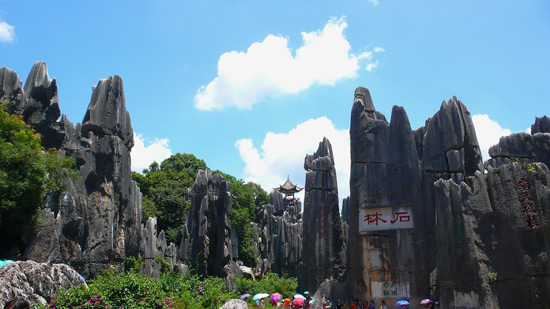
288,188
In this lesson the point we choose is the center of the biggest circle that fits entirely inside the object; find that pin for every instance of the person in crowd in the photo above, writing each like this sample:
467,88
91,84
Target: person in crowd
328,304
339,304
18,303
354,304
286,303
383,305
307,302
346,305
371,305
359,304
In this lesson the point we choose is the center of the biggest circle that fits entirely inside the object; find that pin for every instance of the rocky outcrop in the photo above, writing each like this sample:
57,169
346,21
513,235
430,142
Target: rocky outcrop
323,232
206,241
280,239
429,223
96,221
493,237
36,282
153,247
541,125
523,147
392,200
235,304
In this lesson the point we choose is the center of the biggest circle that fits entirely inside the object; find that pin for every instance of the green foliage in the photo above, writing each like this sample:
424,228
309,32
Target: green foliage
270,283
496,170
28,173
164,189
492,276
132,290
131,264
165,267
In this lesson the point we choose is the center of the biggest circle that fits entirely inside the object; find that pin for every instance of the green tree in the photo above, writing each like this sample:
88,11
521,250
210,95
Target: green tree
164,188
28,173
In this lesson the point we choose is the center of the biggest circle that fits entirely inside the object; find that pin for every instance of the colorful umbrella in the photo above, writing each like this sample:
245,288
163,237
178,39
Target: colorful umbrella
260,296
245,296
275,298
425,301
299,296
402,303
298,302
6,262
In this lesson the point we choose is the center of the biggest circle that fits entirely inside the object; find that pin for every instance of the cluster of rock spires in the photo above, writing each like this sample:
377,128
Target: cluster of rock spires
475,240
467,233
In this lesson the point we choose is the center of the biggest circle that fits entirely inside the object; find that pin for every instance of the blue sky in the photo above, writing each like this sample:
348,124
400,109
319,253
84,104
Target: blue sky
252,86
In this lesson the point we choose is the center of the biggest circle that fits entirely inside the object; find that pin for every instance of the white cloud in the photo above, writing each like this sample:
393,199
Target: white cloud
371,66
374,2
488,133
143,156
378,49
282,155
7,32
269,68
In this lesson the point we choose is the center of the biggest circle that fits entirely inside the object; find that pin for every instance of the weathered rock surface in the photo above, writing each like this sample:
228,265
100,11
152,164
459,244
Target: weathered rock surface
541,125
36,282
280,239
235,304
96,222
152,246
394,166
523,147
207,233
324,255
476,241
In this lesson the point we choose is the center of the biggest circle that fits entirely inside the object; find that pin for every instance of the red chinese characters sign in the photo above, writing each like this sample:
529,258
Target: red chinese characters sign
385,218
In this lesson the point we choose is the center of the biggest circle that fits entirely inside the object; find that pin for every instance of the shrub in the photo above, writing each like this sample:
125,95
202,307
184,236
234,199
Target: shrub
133,290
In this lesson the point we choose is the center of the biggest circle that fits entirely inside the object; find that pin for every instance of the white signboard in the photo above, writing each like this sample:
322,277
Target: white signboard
385,218
390,289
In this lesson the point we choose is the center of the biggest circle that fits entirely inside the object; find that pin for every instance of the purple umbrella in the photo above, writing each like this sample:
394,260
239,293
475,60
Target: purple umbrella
245,296
274,298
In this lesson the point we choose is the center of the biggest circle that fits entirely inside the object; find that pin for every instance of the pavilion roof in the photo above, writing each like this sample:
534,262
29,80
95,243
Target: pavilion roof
288,187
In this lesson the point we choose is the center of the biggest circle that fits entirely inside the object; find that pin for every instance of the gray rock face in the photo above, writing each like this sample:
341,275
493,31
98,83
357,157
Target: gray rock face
523,147
541,125
37,102
152,246
476,241
345,210
280,244
235,304
207,233
394,167
36,282
493,238
96,221
323,233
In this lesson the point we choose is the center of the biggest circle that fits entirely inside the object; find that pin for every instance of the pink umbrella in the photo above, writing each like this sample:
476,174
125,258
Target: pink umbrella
274,298
298,302
425,301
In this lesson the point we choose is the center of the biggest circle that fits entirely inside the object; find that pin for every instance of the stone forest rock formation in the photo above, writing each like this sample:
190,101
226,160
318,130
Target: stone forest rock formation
206,241
324,254
426,218
96,221
280,238
426,222
36,282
